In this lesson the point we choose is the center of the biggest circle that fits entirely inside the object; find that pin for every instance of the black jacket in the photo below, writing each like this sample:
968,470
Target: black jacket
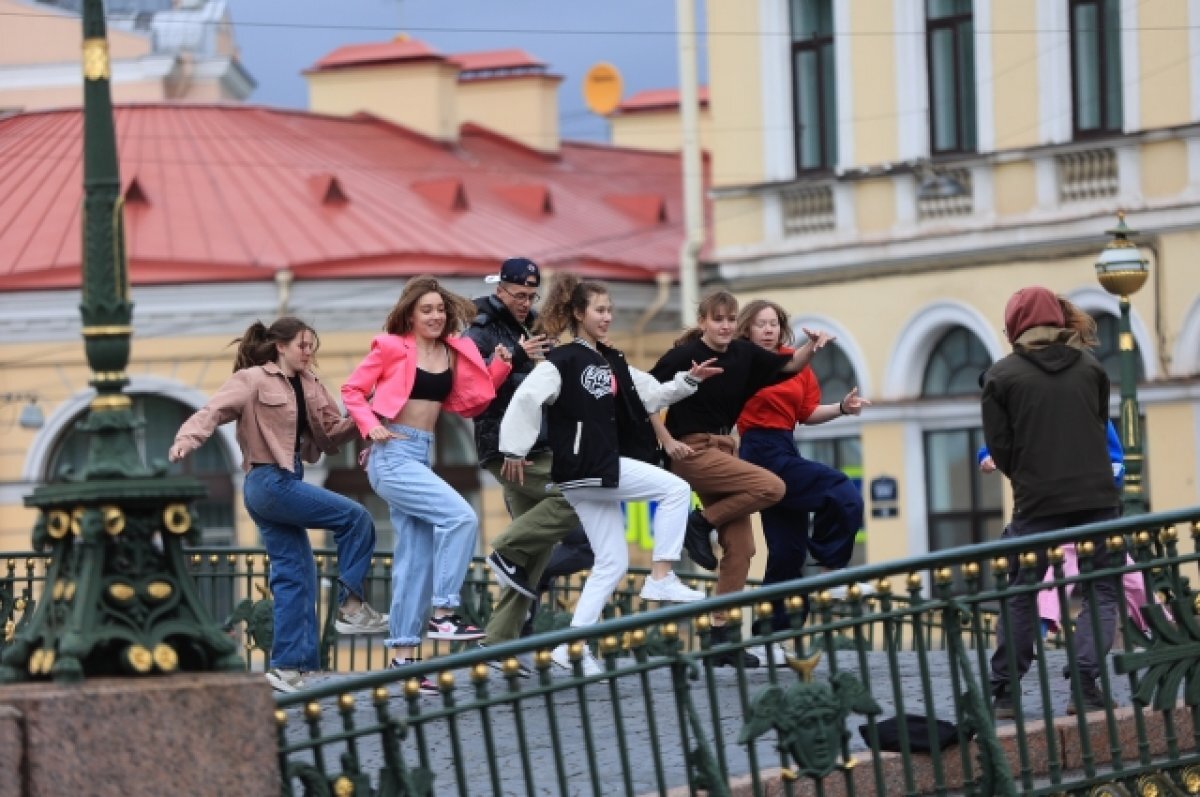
590,428
494,325
1045,421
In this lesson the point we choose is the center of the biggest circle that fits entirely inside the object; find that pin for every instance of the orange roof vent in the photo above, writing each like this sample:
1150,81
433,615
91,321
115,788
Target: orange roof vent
447,193
532,198
327,189
645,208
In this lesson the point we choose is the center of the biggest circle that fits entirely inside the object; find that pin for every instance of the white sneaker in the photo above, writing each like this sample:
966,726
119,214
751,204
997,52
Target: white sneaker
669,588
842,590
562,658
775,651
285,680
363,620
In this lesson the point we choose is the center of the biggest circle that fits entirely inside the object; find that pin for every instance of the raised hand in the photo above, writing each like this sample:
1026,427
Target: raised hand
853,403
702,371
817,338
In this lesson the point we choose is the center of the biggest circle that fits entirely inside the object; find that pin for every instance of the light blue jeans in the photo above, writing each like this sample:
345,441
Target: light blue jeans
285,507
435,531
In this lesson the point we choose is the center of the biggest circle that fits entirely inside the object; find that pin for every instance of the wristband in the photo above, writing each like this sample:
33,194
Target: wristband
842,406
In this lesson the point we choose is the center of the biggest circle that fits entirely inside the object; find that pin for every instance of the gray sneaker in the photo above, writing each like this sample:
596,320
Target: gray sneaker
363,620
282,680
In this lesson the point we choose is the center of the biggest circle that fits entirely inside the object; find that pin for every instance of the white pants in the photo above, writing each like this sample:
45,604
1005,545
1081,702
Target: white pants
599,510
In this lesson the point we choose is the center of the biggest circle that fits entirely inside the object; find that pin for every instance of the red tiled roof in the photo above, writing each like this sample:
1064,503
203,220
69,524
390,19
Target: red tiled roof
399,49
658,100
496,59
235,193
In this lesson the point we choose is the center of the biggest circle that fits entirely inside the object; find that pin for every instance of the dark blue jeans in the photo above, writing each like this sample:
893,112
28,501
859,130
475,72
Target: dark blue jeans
284,507
815,491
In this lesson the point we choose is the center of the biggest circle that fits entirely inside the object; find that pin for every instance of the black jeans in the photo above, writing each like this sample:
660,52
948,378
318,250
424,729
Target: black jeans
1023,622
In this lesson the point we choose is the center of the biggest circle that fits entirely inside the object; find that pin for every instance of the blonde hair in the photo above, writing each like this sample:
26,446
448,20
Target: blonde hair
1079,320
746,320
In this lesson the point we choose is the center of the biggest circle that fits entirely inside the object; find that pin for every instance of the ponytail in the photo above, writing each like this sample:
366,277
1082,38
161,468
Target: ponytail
567,295
257,345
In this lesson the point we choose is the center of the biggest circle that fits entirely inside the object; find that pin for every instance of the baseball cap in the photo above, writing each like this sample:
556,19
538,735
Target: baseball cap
518,271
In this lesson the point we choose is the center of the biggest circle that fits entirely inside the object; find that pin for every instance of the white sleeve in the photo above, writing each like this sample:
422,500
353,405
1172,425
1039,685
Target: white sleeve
656,395
523,419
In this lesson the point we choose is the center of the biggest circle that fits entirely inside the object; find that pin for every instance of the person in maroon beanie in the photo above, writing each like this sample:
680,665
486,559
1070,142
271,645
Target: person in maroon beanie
1045,419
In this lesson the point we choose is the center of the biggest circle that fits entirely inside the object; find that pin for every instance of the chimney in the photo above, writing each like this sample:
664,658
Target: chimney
511,93
404,80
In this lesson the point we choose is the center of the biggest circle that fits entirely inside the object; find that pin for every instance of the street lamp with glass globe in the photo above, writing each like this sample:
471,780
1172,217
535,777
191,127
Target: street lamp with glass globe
1122,270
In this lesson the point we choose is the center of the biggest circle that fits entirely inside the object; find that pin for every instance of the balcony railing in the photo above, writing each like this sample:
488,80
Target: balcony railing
1087,174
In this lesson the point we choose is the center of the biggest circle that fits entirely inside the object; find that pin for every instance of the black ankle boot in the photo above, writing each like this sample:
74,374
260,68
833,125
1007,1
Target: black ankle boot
729,658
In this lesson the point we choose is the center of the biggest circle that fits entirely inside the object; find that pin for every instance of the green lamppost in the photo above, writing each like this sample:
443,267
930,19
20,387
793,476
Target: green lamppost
1122,270
117,598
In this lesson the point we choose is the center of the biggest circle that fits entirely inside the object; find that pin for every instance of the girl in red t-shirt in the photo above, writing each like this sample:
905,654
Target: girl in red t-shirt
766,426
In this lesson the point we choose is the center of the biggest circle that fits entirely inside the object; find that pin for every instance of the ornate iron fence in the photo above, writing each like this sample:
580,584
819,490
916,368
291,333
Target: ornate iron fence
904,669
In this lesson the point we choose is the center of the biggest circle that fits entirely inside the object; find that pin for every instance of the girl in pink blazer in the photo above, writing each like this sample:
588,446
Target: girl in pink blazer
412,373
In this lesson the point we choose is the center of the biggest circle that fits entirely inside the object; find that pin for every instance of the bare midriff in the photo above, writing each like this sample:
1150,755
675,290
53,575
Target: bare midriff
419,414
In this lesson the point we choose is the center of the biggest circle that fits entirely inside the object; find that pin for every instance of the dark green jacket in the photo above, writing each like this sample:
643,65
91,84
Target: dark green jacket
1045,417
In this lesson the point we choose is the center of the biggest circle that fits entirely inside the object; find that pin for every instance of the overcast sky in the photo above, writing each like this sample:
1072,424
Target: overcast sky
279,38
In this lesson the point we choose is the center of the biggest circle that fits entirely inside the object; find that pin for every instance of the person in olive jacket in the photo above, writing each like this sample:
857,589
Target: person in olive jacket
541,516
1045,419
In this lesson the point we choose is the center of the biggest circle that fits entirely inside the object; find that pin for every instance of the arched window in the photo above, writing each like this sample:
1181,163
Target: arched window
834,371
964,506
836,375
1108,351
159,419
955,364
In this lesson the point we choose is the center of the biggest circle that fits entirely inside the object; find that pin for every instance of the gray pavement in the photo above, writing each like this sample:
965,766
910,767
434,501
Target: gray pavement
602,771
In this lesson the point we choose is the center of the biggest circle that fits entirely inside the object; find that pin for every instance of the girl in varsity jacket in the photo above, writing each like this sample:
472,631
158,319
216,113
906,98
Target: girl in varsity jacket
603,446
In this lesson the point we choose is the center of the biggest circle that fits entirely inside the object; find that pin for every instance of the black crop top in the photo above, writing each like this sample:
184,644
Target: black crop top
432,387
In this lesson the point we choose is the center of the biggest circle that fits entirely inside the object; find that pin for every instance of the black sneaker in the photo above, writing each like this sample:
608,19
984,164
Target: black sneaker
511,575
729,658
425,686
1002,704
454,628
1093,698
523,669
696,540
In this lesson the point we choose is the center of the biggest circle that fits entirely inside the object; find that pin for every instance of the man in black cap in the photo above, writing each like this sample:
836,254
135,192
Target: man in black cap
541,516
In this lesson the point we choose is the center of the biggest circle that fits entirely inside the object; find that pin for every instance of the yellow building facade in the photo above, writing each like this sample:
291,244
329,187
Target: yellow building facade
893,171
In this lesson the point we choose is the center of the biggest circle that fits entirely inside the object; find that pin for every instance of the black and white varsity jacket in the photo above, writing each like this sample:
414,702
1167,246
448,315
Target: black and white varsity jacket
590,427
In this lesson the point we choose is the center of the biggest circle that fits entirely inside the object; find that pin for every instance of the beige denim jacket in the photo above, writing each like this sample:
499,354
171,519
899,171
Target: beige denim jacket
261,400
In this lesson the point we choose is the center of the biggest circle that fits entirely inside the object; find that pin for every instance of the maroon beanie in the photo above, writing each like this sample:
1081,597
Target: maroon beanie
1032,307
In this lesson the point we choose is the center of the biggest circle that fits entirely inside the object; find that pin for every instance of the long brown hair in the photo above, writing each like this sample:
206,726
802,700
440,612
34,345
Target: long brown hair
459,310
709,305
257,345
746,320
1080,321
567,295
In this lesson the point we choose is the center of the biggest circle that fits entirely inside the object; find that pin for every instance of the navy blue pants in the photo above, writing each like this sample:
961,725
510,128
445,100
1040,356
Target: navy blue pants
815,491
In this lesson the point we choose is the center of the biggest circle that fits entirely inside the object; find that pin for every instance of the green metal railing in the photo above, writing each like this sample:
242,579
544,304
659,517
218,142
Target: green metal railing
232,584
863,675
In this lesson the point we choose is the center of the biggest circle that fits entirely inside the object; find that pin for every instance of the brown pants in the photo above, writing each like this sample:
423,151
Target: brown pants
731,491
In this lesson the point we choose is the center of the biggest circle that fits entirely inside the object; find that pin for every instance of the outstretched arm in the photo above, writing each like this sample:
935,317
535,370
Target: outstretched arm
852,404
225,406
804,354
